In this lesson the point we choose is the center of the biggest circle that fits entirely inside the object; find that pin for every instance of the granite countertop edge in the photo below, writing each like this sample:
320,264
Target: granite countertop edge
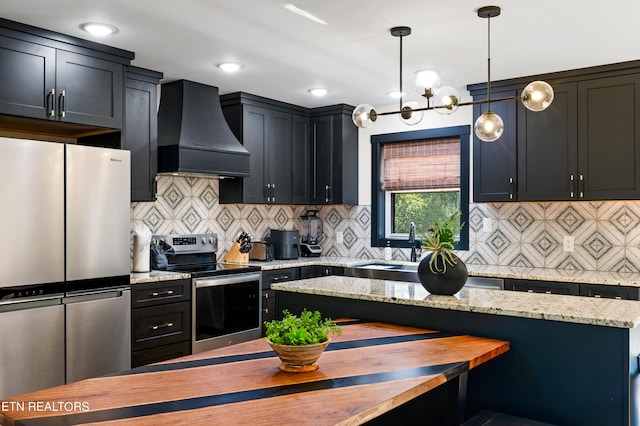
552,307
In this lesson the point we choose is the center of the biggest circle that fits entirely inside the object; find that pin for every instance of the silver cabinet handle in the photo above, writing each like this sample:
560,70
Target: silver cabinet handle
571,185
165,325
581,178
51,97
62,104
162,293
326,193
511,188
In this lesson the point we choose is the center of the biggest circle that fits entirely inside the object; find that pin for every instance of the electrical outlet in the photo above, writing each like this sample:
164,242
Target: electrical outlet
339,237
487,224
568,243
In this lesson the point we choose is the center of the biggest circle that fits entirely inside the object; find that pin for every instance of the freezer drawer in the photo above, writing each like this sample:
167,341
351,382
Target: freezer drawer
32,349
98,334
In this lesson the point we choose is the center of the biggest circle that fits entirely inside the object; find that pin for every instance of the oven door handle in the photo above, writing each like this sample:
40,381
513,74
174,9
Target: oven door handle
226,280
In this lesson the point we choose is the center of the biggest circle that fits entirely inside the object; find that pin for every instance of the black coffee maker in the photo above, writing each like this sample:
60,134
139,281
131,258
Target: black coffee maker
286,243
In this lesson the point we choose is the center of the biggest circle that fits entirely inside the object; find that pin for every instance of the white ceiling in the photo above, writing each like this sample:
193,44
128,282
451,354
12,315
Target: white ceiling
353,55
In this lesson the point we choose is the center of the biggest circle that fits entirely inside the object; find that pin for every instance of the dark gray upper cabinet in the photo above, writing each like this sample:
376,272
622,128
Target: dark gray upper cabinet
334,155
301,160
609,138
494,163
548,147
274,133
141,130
585,146
51,76
28,73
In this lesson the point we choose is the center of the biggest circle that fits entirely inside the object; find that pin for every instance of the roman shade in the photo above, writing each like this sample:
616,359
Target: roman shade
427,164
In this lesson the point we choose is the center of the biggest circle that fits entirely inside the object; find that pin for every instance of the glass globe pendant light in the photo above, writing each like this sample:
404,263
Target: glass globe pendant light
489,126
537,96
364,116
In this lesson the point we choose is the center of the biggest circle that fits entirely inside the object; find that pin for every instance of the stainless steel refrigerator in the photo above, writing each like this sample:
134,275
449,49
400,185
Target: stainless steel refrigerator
64,280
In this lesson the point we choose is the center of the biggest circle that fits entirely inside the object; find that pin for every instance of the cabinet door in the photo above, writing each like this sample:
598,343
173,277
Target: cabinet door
89,90
254,138
609,141
141,138
548,287
609,291
494,163
279,157
27,72
322,164
301,161
547,148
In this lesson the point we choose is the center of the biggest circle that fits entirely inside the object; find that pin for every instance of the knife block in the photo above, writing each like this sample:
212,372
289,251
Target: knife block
235,256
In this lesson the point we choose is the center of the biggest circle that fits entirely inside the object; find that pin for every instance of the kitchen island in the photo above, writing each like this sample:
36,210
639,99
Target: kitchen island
369,371
573,360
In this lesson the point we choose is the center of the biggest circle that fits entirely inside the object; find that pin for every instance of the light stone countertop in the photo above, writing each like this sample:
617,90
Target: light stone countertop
540,274
582,310
156,276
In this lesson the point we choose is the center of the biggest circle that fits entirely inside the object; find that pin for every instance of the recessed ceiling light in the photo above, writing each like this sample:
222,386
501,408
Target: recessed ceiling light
230,66
98,29
395,94
318,91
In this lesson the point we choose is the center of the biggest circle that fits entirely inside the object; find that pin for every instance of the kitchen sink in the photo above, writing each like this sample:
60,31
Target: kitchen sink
409,273
385,271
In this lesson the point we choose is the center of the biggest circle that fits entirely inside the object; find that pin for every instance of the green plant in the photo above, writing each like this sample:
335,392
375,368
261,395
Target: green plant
307,329
440,239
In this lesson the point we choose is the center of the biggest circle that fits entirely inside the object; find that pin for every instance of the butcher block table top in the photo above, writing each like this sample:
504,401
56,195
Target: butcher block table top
368,370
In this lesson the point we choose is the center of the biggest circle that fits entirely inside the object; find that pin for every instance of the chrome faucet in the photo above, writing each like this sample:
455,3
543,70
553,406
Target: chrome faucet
412,241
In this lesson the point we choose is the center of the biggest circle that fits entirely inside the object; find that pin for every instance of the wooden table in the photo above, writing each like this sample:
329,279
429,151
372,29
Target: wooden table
368,370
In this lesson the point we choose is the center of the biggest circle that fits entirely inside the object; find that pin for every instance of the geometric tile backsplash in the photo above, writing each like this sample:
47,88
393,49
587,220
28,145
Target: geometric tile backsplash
606,234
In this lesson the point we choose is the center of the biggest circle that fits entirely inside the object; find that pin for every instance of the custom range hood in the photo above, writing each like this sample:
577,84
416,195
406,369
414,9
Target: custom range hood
193,135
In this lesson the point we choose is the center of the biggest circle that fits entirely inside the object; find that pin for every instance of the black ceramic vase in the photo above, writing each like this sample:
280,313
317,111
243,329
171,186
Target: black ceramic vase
443,283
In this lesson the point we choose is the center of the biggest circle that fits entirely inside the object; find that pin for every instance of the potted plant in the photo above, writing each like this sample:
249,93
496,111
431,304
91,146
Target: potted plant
442,271
299,341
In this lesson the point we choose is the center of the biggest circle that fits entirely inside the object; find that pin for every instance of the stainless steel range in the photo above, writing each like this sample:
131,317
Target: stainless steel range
226,297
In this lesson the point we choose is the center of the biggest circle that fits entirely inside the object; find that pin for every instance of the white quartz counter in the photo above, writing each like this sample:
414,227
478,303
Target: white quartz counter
584,310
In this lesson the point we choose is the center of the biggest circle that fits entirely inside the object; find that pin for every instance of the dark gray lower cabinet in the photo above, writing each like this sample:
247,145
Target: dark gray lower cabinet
575,289
534,286
315,271
160,321
269,301
610,291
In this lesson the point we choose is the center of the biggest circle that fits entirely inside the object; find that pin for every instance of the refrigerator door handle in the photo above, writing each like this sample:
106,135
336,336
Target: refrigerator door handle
94,295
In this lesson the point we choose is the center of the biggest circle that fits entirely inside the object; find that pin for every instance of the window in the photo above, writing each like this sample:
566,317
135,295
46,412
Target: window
421,177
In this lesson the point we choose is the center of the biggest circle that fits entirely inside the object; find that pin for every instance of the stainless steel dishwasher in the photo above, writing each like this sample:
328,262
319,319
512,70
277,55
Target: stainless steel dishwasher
98,330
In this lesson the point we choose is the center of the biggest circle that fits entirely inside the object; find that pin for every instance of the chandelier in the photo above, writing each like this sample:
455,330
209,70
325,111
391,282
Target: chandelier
536,96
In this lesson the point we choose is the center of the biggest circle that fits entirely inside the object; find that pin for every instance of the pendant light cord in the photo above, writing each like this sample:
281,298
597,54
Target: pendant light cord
489,64
401,94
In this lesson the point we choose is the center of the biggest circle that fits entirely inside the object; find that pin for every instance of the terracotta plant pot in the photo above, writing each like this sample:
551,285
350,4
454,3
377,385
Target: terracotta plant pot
299,359
447,283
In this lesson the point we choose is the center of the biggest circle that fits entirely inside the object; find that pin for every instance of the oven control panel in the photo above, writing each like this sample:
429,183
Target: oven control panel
191,243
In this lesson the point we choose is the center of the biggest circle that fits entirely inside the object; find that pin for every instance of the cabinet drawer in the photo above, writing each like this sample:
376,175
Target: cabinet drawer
160,325
609,291
161,353
279,276
158,293
549,287
315,271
